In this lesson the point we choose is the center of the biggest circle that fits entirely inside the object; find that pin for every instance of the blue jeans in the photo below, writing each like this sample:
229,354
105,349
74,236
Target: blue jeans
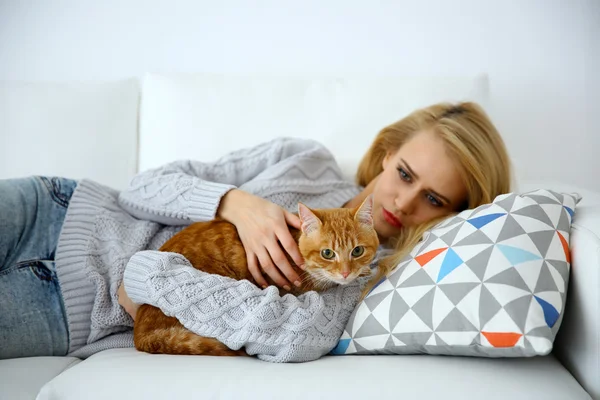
32,315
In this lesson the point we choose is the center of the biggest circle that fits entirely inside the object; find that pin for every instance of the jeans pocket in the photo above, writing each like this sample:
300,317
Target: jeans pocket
42,269
60,189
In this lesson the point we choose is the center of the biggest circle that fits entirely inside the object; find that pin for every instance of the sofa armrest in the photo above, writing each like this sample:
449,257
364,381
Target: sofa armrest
577,344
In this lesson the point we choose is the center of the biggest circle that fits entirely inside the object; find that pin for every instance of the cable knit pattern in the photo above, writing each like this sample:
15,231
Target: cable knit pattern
277,329
103,228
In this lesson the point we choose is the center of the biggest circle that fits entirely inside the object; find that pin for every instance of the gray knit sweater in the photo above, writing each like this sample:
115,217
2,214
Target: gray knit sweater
104,229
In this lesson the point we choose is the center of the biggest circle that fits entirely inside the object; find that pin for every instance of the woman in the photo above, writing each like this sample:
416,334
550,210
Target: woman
436,161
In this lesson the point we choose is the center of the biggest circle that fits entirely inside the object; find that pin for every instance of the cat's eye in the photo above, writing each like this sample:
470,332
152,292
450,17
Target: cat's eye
358,251
327,254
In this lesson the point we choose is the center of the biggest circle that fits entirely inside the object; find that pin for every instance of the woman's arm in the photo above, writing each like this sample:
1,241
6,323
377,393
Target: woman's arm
237,313
187,191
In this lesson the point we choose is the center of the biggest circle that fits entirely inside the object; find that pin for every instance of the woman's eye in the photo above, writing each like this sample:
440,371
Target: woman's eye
358,251
327,254
435,202
403,174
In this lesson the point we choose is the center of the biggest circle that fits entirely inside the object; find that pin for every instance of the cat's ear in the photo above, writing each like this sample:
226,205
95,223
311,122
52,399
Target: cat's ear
310,222
364,213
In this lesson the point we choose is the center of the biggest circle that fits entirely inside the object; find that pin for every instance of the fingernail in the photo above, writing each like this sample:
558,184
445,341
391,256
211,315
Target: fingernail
298,283
264,286
286,287
302,267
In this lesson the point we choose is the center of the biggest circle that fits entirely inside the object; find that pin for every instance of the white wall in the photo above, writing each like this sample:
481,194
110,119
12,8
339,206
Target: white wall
542,56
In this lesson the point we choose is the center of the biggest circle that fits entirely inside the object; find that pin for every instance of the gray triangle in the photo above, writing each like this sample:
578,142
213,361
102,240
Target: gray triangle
507,203
450,221
563,222
359,348
457,291
414,338
476,341
510,229
476,237
419,278
559,196
542,199
394,277
423,308
390,343
542,240
536,212
371,327
479,209
545,281
398,308
373,300
430,239
562,268
541,331
518,310
488,306
439,341
510,277
528,345
449,236
455,321
479,263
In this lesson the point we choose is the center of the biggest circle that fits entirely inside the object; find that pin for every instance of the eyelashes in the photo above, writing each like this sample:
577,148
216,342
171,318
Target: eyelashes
405,176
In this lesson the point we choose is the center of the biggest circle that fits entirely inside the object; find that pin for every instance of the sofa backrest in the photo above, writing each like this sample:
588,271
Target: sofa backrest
205,116
76,130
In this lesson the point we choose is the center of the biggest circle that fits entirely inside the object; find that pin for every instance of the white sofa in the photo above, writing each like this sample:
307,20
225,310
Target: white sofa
108,131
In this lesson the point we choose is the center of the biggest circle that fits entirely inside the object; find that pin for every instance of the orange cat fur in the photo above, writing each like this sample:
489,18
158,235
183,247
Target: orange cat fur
337,245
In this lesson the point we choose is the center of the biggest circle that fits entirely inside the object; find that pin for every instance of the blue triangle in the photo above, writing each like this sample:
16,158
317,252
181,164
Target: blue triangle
341,347
450,263
550,313
484,220
516,255
570,211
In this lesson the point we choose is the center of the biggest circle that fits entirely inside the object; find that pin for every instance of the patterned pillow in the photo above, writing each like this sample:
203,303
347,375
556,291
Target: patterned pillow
488,282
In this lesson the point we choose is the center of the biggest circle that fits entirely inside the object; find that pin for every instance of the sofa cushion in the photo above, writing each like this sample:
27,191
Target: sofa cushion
75,130
204,116
22,378
128,374
487,282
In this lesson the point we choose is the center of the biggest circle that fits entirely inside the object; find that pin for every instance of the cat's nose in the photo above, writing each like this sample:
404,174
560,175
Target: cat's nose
345,274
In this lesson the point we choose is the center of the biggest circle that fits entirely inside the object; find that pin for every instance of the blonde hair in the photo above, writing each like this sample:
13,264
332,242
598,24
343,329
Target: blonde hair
471,141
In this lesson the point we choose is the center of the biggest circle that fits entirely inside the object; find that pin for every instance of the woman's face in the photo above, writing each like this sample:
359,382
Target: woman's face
419,182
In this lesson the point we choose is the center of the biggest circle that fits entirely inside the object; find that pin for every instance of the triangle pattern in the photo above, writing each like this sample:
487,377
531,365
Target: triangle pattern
371,327
502,339
455,322
510,229
516,255
450,263
479,222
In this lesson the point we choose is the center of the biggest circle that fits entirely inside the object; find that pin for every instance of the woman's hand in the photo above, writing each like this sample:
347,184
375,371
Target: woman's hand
126,302
263,229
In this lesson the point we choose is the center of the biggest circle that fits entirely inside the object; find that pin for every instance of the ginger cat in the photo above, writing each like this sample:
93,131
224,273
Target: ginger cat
338,245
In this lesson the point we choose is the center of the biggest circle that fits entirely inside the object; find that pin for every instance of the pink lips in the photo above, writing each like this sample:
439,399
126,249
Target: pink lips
391,219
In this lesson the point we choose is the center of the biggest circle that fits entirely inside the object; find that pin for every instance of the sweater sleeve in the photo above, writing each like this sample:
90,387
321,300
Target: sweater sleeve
237,313
188,191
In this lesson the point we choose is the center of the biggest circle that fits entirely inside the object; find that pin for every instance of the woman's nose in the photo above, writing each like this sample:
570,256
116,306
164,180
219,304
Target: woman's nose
406,202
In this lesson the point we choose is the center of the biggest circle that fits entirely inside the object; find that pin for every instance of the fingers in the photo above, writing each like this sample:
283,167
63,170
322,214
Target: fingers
292,219
291,247
281,261
254,269
270,269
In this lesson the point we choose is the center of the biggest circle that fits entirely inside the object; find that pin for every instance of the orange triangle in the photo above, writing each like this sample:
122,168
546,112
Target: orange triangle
565,247
430,255
502,339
